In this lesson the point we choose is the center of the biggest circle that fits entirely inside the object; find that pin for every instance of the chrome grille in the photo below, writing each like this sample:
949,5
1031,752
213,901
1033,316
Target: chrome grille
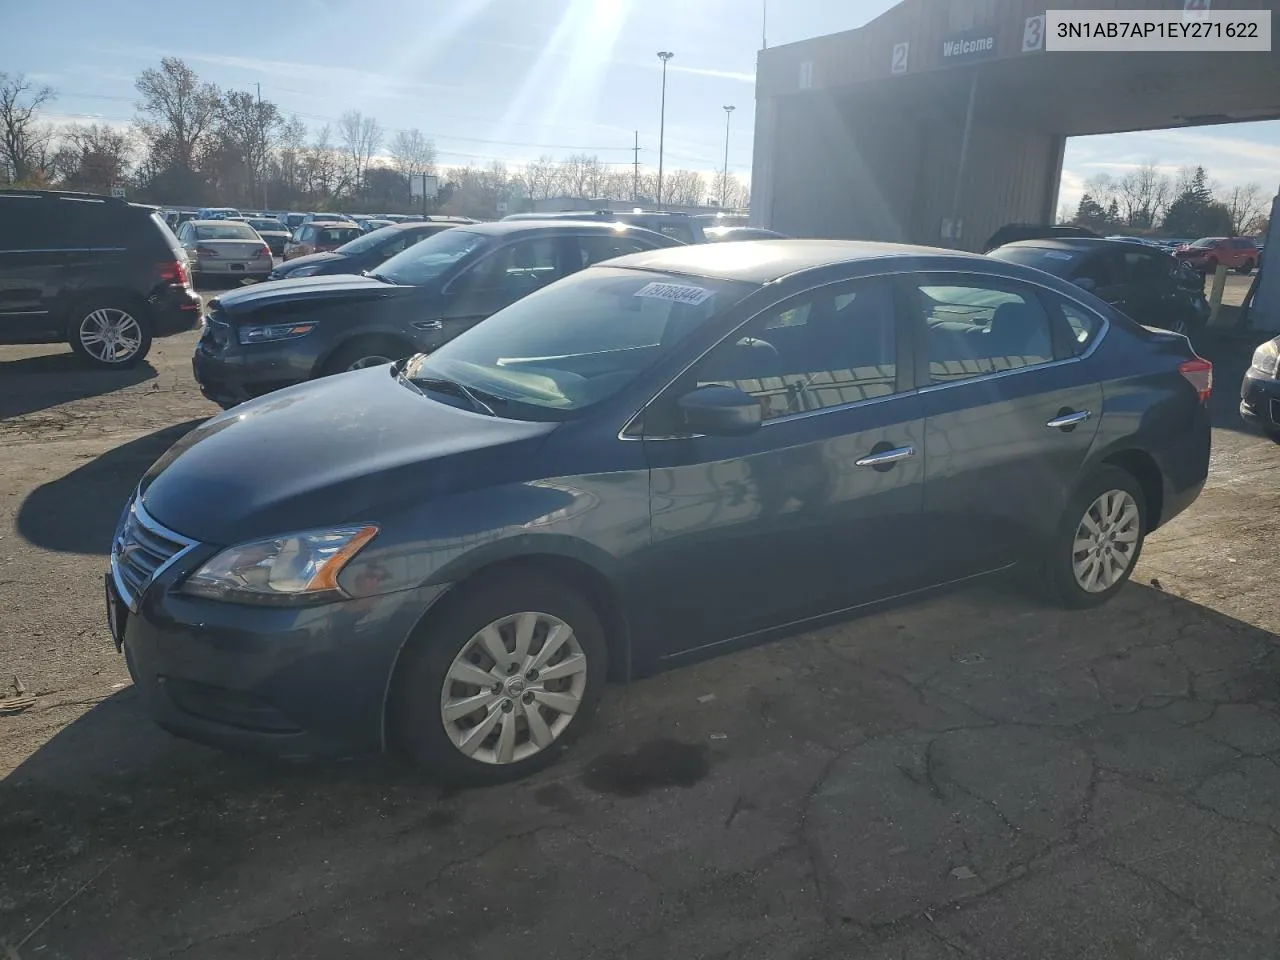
142,549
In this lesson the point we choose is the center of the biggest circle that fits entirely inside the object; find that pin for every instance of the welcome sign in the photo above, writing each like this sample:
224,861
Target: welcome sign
976,44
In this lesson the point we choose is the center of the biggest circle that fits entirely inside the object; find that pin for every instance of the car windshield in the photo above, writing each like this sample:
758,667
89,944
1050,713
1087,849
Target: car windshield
578,341
369,241
270,225
431,258
1206,242
226,230
1057,262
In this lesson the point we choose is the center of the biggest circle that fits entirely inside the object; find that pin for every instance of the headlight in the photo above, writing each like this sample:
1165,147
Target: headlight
291,570
274,331
1266,359
307,271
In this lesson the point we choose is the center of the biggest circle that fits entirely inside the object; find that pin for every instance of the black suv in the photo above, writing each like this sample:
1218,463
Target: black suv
99,273
677,226
1015,232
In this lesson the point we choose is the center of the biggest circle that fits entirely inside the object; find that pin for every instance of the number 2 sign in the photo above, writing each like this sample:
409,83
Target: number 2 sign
1033,34
899,62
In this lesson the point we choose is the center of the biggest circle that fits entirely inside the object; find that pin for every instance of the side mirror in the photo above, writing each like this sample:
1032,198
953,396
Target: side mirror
719,411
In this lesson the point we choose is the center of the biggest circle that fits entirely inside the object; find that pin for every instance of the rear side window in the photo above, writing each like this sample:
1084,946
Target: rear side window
1076,327
982,327
600,247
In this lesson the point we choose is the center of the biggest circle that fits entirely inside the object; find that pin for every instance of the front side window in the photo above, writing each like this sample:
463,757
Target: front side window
432,258
597,248
516,269
577,342
974,329
825,348
1147,268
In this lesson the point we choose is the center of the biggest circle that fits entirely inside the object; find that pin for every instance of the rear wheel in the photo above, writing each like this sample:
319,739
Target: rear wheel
366,352
1245,268
110,333
501,681
1098,540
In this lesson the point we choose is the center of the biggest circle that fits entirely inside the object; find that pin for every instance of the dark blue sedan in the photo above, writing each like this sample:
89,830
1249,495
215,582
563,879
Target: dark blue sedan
661,457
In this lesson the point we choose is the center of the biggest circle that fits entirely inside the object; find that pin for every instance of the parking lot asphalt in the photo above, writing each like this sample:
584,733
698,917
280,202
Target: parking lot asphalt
974,776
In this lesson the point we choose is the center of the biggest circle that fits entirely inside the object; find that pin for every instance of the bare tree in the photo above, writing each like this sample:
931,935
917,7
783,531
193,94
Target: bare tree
413,153
1245,204
1143,194
291,142
319,166
362,136
581,176
683,188
20,134
541,178
94,157
177,112
476,192
248,126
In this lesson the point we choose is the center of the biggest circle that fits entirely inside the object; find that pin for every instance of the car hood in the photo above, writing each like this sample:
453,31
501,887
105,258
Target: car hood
349,448
343,286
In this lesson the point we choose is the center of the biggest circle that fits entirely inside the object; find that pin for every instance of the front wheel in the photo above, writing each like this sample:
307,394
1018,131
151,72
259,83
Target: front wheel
365,352
110,334
1245,268
501,681
1098,541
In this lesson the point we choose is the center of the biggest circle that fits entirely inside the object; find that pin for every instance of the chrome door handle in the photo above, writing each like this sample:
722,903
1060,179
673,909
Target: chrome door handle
429,324
1069,419
888,456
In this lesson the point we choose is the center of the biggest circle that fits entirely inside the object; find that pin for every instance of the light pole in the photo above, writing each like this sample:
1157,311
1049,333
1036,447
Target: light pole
724,184
664,56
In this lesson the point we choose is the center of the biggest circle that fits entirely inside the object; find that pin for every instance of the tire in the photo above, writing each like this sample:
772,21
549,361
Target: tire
1058,565
422,683
1245,268
123,324
365,352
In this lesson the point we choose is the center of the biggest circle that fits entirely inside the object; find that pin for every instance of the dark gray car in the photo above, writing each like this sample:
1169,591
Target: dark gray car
650,461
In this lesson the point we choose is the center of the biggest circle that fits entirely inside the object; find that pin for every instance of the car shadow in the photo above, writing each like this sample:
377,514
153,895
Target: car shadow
31,384
176,823
77,513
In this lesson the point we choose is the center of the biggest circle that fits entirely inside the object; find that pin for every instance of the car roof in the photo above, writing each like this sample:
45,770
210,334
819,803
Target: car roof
762,261
597,215
1083,244
561,225
215,223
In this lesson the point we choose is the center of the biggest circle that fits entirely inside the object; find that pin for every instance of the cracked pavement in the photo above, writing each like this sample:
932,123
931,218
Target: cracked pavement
973,776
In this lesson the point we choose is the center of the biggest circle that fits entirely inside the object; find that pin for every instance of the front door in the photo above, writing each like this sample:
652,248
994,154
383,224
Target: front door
1010,412
815,511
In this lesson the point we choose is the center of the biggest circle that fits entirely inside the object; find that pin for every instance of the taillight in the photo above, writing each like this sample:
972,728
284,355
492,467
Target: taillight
174,271
206,252
263,251
1199,373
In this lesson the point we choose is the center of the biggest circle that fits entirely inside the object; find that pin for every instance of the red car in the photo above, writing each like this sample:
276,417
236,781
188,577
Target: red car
1236,253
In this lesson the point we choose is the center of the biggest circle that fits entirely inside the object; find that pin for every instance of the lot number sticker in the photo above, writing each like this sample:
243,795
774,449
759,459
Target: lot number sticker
899,62
675,292
1033,34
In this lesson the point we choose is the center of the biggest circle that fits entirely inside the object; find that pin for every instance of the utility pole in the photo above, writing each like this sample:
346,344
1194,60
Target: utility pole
724,184
635,178
664,56
262,150
764,24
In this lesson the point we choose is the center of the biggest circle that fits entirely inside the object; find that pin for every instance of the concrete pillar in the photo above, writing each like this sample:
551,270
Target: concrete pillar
763,167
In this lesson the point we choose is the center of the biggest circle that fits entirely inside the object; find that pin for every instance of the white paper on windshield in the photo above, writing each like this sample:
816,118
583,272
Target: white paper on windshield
1053,255
676,292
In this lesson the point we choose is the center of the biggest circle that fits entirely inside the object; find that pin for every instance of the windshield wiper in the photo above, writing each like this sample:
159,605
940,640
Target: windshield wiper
381,276
458,389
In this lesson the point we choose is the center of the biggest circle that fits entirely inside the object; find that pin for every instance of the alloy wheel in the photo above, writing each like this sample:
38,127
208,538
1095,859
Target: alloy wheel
514,688
374,361
1106,541
110,335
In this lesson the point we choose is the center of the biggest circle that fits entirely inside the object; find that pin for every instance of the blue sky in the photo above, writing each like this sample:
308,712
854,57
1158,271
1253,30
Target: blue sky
513,79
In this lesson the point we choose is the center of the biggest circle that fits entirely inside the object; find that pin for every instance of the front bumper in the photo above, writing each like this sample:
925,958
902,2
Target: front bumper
229,372
1260,401
306,683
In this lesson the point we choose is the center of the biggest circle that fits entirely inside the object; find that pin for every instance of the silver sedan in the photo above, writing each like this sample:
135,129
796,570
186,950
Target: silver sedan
227,248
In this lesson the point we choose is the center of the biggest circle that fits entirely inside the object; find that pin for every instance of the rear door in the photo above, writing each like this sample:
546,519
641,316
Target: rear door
1010,410
31,257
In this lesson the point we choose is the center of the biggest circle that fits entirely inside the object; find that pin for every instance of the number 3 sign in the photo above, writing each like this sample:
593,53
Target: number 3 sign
1033,34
